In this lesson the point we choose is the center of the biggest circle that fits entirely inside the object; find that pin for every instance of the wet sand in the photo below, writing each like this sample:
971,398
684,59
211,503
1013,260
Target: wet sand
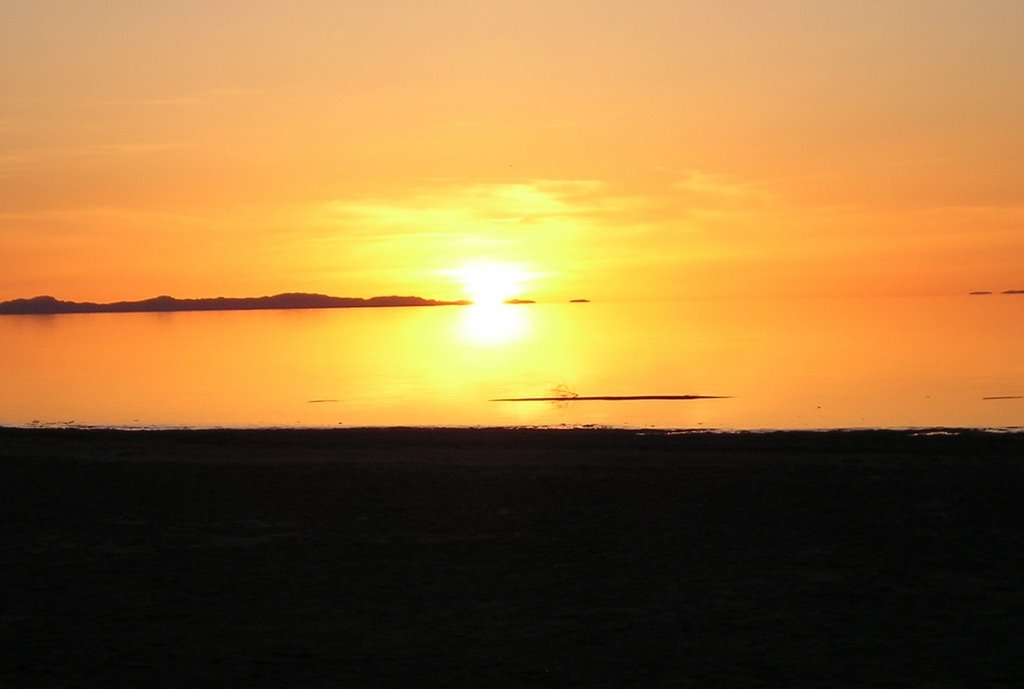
510,558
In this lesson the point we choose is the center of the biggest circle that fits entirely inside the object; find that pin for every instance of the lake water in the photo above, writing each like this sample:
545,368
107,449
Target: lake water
805,363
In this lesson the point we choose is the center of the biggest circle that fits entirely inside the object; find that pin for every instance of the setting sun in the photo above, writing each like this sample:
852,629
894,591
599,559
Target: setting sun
491,282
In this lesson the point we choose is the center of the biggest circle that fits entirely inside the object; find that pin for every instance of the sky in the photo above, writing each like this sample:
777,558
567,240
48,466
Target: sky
601,149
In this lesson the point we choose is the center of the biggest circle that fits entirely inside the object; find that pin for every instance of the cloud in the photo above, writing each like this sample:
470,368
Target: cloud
184,99
557,221
445,223
470,212
27,159
710,186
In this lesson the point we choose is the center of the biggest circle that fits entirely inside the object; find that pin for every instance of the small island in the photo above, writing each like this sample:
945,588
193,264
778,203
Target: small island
579,301
47,305
974,294
519,301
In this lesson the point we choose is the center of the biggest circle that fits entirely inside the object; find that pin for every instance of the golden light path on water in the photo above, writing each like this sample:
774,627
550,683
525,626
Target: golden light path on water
493,325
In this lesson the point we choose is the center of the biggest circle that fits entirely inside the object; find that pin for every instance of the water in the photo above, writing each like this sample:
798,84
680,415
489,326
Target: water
806,363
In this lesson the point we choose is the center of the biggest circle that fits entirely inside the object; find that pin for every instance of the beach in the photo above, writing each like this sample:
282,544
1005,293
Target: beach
511,558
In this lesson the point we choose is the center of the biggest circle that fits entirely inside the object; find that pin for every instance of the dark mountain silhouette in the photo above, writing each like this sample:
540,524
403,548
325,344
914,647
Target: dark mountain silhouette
579,301
1014,291
51,305
979,293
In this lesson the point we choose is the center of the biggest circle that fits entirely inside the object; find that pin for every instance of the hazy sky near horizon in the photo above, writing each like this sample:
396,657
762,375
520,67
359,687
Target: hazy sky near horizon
602,148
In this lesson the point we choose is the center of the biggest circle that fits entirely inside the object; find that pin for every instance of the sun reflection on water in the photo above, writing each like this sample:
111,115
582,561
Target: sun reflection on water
490,325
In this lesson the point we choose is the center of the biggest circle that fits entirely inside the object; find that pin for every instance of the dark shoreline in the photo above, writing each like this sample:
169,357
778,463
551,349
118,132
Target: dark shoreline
310,444
510,558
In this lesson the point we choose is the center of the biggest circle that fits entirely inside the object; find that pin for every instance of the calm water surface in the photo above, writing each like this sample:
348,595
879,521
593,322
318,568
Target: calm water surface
785,364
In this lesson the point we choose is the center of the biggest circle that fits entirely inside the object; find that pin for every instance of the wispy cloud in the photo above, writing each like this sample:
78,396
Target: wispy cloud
184,99
445,223
18,161
717,186
452,208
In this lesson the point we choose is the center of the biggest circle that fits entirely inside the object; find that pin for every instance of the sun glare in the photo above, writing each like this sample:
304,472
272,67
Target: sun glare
491,283
495,324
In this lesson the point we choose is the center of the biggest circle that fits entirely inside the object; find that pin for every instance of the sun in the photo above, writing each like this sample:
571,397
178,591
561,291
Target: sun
491,282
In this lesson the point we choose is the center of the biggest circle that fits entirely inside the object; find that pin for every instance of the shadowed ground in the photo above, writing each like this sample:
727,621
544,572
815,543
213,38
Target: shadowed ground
510,558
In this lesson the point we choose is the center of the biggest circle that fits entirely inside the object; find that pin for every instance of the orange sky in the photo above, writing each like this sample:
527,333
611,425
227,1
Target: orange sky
603,149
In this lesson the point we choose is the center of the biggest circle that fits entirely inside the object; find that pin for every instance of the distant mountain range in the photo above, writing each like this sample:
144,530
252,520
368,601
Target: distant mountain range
1009,291
51,305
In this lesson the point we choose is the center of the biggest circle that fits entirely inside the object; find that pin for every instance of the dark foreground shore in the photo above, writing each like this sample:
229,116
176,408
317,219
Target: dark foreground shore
510,558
